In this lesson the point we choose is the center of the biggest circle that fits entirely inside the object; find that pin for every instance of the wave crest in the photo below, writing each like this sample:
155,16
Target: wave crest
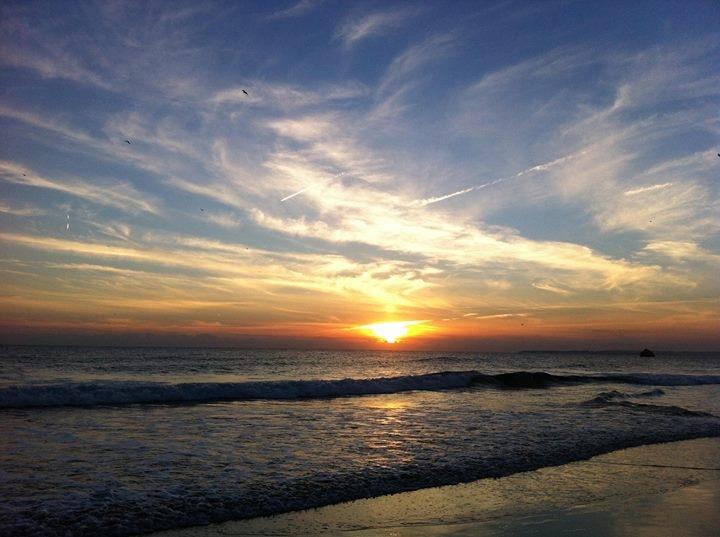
132,392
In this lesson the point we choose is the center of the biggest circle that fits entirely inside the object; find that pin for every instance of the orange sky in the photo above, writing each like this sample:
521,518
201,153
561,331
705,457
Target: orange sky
525,187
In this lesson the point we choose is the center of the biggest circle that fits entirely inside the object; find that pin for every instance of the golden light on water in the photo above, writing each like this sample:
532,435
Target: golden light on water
390,332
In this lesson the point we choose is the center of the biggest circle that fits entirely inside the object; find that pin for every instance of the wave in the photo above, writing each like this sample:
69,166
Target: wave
615,394
134,392
618,399
667,410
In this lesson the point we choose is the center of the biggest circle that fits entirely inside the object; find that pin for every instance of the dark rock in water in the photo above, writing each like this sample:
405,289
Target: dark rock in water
647,353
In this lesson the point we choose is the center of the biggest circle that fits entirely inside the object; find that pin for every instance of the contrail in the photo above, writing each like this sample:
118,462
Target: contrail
308,187
538,168
541,167
295,194
647,189
428,201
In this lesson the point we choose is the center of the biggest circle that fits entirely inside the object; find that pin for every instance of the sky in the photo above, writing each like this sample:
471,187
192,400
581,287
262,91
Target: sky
497,175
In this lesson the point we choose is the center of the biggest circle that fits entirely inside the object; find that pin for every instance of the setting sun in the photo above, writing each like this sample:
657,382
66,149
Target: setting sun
390,332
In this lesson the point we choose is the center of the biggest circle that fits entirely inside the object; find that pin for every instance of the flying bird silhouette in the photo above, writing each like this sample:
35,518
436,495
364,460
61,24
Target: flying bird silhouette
128,142
246,93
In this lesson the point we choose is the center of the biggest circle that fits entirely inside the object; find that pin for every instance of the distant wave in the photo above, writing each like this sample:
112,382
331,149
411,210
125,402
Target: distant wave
615,394
132,392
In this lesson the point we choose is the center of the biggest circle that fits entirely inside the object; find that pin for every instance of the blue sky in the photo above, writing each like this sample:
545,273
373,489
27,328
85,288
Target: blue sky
504,172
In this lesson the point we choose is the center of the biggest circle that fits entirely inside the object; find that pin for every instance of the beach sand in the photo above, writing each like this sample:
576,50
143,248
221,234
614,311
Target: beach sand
662,489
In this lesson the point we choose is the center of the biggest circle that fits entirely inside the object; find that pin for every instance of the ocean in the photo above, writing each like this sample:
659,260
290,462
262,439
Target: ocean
123,441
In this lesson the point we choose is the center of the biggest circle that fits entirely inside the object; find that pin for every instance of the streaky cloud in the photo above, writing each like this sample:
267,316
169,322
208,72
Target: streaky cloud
650,188
546,286
302,7
119,195
357,29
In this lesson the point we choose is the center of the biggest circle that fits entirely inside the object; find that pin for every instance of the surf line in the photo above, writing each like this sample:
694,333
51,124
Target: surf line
656,465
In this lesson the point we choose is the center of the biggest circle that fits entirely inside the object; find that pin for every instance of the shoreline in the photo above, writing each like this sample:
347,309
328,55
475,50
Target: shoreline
551,498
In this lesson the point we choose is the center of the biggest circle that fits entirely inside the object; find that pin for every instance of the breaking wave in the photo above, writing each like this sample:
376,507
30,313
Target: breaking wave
133,392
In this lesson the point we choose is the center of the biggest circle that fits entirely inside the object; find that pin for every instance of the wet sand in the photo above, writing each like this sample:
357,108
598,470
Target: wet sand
662,489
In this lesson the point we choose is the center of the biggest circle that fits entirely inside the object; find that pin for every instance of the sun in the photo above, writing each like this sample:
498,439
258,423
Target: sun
390,332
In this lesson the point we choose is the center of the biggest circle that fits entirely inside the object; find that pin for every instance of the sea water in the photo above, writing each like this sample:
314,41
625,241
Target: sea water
119,441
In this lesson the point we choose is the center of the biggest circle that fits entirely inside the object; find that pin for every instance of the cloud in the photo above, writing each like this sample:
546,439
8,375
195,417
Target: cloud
227,220
48,124
49,59
678,209
119,195
342,188
650,188
461,244
267,274
537,168
618,126
370,25
291,196
25,210
430,201
303,7
557,62
681,251
546,286
414,58
287,96
502,316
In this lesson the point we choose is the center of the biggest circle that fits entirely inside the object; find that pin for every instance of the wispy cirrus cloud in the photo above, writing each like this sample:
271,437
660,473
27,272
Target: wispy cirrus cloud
548,286
681,251
24,210
298,9
286,96
365,26
342,182
536,168
119,195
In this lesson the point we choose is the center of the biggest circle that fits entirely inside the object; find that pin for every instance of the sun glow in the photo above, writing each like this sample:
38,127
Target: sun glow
390,332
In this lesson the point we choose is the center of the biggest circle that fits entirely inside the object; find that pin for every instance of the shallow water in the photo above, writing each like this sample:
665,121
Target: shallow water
140,464
607,495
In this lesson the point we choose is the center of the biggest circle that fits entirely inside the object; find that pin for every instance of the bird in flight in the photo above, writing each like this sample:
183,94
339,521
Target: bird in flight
246,93
128,142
